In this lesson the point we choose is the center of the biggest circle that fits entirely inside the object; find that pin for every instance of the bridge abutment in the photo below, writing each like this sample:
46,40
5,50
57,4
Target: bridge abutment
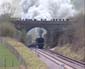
51,26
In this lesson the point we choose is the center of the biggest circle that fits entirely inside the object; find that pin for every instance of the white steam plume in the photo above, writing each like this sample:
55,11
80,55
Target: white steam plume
39,9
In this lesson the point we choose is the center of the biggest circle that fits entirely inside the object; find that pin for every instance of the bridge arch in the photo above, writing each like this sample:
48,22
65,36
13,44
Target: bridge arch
35,33
33,27
50,26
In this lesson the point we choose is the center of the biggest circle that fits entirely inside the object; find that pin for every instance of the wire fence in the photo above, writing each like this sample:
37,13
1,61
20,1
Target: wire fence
10,64
4,62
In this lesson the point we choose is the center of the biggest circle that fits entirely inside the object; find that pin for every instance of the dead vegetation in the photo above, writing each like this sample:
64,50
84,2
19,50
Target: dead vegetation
72,42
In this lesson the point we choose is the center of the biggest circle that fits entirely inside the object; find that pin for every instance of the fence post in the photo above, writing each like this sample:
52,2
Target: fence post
62,66
12,63
4,62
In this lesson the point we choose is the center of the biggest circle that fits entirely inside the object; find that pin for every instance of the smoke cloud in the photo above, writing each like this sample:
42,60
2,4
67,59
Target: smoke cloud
38,9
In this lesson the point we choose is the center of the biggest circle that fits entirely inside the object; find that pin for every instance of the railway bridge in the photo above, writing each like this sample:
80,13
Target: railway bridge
53,26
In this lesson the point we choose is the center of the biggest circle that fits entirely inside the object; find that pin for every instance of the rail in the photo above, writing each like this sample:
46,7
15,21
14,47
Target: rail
67,63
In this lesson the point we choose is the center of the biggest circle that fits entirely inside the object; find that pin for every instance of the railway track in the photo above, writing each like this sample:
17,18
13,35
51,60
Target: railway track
68,59
64,62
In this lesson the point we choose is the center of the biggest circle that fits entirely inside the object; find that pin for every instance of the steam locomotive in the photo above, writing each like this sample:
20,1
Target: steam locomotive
40,43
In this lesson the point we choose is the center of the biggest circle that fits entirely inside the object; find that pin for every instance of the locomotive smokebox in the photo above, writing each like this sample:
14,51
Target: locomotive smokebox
40,43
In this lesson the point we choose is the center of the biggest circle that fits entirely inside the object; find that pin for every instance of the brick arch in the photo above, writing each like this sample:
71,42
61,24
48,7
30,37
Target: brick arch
51,26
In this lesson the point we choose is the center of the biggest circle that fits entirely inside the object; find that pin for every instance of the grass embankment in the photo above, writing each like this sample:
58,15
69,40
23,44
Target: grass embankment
7,59
68,52
30,58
